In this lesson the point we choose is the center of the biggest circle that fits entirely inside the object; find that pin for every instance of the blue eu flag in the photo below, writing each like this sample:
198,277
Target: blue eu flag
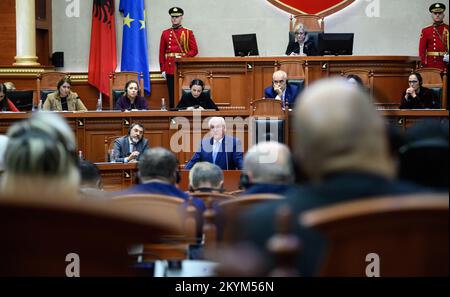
134,42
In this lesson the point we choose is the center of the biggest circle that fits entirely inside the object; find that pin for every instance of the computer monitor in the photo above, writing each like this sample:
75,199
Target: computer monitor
245,45
336,43
23,100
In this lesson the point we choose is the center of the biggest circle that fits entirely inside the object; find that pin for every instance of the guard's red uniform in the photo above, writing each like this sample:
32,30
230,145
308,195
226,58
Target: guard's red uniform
176,43
433,46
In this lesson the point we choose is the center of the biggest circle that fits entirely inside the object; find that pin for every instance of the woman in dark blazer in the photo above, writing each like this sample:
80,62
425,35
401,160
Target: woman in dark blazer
130,99
5,103
196,98
416,96
300,44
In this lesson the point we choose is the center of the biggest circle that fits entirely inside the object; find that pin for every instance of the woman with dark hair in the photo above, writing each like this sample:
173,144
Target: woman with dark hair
299,43
64,99
416,96
130,99
5,103
196,98
355,80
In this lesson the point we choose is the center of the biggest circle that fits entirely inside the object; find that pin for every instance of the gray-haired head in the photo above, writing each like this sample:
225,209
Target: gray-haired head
206,175
338,129
158,163
269,162
40,158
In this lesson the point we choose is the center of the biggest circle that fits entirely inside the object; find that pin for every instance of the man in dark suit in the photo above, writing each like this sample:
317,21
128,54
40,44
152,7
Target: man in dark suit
222,150
129,147
268,169
281,90
343,149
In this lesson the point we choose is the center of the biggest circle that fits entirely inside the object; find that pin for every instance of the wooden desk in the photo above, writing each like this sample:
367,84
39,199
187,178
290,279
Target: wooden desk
235,81
164,128
178,131
119,176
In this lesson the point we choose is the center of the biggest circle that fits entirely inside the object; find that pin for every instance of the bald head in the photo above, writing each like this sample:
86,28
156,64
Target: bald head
269,162
339,130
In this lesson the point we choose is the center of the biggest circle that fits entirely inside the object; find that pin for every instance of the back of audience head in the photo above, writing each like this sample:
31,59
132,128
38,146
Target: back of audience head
269,162
205,176
424,157
40,159
90,175
343,134
158,163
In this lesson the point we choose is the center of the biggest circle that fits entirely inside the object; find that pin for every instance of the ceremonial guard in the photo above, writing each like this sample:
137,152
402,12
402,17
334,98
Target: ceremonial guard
434,40
176,42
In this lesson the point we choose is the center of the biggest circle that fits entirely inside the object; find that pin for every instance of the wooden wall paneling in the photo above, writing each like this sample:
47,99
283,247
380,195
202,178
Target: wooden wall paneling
8,29
96,129
389,88
158,91
263,73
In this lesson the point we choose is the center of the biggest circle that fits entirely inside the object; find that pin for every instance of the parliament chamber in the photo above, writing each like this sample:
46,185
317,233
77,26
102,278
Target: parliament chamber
234,84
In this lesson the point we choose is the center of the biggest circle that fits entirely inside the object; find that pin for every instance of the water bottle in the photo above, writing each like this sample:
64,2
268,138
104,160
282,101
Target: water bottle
80,155
163,104
99,104
113,156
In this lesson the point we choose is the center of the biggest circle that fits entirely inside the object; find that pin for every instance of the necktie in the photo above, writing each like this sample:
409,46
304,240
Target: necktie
215,150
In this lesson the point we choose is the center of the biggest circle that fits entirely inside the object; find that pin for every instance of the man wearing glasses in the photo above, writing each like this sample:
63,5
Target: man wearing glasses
281,90
220,149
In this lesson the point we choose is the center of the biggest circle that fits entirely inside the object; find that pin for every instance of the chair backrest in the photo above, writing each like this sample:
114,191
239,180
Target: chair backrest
214,196
117,81
39,236
109,146
175,245
142,203
46,83
268,115
408,234
311,22
231,209
22,99
436,80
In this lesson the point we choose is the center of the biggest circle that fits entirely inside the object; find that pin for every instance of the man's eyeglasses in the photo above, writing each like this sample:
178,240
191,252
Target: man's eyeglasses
212,127
278,81
413,81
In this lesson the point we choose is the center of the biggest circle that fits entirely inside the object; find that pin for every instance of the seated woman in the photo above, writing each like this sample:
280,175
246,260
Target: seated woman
196,99
354,80
63,99
130,99
5,103
299,43
416,96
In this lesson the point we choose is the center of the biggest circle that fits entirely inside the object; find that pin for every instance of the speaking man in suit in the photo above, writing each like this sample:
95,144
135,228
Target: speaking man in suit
220,149
129,147
281,90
